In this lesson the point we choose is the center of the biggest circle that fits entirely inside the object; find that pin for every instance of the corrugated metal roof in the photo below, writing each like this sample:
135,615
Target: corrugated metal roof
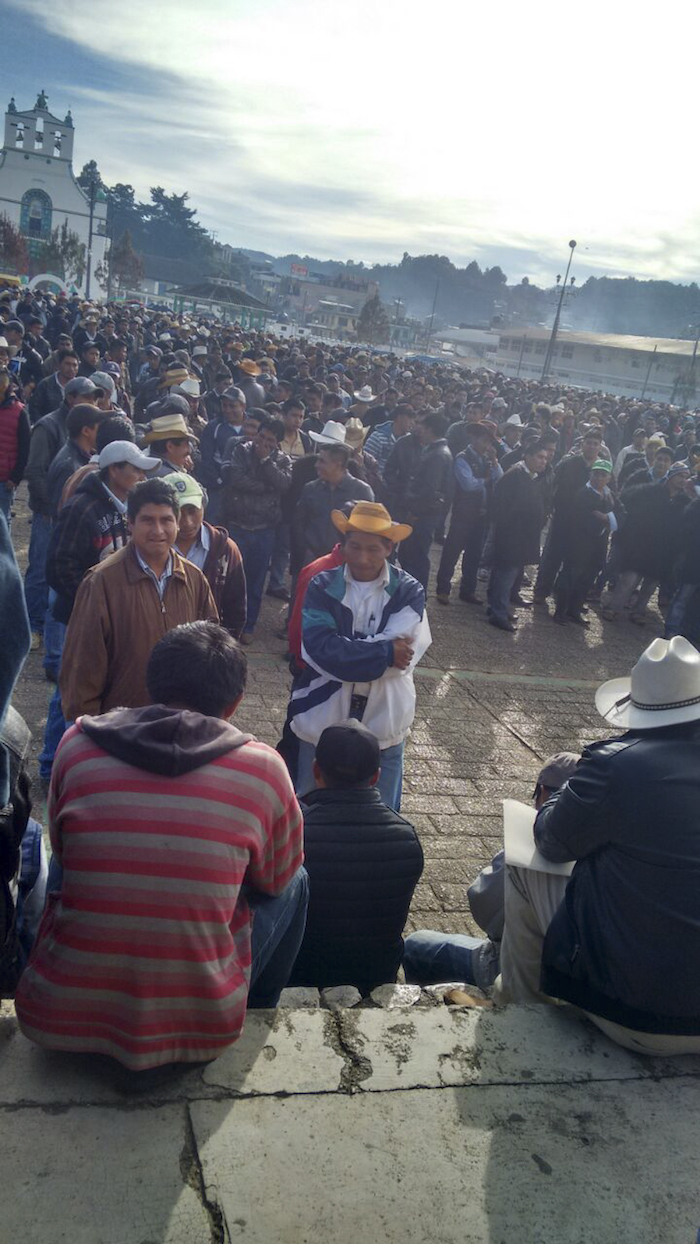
612,341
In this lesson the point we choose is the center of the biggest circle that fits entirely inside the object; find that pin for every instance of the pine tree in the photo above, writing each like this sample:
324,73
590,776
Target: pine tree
14,256
373,322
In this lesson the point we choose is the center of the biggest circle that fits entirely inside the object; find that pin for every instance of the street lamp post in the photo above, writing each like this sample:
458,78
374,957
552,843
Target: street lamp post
555,326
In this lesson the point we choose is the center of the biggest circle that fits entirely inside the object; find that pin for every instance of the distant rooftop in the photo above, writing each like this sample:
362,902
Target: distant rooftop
613,341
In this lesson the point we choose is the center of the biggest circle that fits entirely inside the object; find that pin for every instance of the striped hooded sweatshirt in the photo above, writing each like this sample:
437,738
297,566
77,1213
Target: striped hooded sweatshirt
157,816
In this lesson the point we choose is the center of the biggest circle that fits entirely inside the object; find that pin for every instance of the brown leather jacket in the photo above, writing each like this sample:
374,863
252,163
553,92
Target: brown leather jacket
117,619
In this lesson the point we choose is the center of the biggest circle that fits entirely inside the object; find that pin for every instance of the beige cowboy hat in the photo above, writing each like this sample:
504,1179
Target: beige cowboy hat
373,518
662,690
355,433
167,428
249,367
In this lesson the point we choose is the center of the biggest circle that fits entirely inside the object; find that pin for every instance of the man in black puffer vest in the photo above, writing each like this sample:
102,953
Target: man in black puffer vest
363,861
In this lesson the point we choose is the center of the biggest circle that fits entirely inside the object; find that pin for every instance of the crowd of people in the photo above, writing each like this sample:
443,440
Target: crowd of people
180,469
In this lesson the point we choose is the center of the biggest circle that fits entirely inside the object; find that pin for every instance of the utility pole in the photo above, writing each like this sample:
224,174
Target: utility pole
88,270
432,316
109,258
651,360
555,326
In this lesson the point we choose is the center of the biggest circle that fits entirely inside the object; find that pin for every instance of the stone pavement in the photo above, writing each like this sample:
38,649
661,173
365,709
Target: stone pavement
449,1125
491,708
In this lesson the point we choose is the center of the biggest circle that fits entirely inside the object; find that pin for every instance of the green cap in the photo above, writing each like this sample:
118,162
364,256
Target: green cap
601,464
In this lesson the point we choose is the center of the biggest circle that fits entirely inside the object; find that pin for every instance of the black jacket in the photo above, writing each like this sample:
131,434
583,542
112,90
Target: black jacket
48,438
47,396
518,518
398,473
363,861
625,942
88,529
570,475
649,539
432,484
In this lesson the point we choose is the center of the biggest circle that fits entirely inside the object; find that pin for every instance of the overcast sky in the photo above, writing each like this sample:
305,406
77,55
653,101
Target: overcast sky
363,129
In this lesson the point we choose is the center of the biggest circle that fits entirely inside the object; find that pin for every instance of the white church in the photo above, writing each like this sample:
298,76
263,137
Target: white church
38,189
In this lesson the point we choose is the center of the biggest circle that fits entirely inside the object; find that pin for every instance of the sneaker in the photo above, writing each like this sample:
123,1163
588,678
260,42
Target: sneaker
443,598
279,593
578,618
608,613
502,624
36,642
246,638
470,598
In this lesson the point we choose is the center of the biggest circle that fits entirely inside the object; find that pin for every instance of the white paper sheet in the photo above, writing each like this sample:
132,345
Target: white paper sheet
519,840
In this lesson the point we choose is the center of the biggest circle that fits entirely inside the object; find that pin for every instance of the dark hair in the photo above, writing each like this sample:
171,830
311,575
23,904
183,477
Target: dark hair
341,453
151,492
117,343
403,408
292,403
83,416
114,428
276,426
90,345
435,423
534,447
663,449
593,433
159,448
198,665
68,353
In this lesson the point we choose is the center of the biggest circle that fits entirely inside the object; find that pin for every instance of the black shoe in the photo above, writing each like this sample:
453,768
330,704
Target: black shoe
470,598
501,624
51,676
520,602
578,618
559,618
279,593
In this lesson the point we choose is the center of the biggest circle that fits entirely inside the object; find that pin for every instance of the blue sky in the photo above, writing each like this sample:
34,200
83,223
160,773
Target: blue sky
363,129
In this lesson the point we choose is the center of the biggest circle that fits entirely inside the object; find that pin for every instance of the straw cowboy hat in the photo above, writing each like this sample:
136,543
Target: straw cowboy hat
373,518
249,367
355,433
332,433
663,689
167,428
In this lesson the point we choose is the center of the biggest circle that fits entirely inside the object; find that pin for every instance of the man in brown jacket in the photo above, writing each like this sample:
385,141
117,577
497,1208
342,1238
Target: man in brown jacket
125,604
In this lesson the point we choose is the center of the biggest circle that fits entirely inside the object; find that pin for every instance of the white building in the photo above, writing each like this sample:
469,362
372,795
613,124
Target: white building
38,190
616,364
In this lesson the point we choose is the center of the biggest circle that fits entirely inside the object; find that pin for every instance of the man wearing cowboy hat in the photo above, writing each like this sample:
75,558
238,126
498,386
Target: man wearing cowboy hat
313,533
169,438
620,938
364,629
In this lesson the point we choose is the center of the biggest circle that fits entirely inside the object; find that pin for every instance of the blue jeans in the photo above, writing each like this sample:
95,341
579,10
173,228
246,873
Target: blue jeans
54,638
36,591
499,590
390,776
256,551
55,728
436,958
278,931
280,556
6,495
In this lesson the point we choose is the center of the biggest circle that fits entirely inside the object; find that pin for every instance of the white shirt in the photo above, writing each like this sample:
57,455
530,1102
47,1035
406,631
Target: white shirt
200,549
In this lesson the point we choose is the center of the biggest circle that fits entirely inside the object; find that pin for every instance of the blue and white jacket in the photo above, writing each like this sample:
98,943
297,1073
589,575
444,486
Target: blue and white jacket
347,639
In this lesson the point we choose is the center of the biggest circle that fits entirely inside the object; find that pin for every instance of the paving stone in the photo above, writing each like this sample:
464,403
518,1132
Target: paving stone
299,996
101,1176
337,996
509,1163
393,997
281,1051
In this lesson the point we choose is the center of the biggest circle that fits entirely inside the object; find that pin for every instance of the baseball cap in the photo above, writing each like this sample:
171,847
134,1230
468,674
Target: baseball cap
80,385
189,490
154,351
348,753
557,770
125,451
102,380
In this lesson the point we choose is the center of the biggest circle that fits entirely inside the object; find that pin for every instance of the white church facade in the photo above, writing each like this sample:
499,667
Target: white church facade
38,189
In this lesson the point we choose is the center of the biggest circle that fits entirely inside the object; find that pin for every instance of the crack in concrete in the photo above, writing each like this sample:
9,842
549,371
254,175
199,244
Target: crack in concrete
339,1032
193,1175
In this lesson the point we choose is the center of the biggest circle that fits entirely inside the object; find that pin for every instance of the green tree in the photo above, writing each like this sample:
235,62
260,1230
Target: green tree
14,256
65,255
88,174
125,264
373,322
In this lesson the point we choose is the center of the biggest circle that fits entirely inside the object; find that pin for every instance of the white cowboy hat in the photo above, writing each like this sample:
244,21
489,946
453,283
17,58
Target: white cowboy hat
514,420
364,394
332,433
663,689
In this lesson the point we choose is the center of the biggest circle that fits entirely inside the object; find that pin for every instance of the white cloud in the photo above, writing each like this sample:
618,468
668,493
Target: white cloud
369,128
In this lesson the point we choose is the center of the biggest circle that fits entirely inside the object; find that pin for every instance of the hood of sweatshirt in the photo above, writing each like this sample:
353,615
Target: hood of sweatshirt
167,741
